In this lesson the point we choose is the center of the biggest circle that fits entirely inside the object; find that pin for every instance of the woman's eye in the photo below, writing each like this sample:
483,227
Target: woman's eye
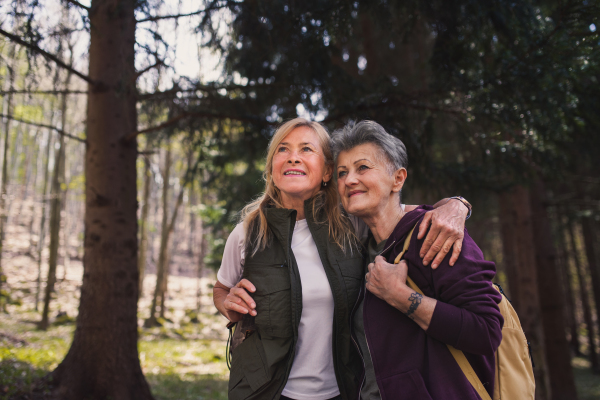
362,168
281,149
306,148
341,174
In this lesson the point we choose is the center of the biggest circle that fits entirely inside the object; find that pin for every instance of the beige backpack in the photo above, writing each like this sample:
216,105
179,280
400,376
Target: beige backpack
514,368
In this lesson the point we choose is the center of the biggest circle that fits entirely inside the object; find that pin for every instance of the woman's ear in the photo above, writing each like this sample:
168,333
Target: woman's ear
399,179
328,173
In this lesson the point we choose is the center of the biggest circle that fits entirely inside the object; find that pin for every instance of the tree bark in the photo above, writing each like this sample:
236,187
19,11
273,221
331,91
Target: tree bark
103,360
144,224
56,202
585,297
560,372
520,259
42,234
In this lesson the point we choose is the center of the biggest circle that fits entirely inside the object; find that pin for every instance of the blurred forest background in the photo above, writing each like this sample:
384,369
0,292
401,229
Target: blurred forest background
132,132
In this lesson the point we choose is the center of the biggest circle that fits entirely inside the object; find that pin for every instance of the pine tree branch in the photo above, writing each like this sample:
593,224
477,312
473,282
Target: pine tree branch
57,130
179,117
46,55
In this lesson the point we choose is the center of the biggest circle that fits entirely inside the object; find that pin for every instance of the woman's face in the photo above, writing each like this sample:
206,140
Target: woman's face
364,182
299,165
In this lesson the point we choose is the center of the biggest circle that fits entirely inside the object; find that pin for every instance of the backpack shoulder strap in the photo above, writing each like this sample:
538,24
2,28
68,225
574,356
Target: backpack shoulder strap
458,355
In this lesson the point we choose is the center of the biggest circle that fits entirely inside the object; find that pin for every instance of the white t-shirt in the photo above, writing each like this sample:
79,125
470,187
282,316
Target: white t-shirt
312,376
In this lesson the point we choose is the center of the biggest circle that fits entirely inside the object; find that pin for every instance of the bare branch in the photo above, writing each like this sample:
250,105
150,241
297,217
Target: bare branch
175,16
59,131
78,4
51,92
143,71
46,55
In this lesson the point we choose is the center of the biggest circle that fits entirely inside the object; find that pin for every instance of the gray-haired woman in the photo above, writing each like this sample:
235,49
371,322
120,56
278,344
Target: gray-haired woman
404,334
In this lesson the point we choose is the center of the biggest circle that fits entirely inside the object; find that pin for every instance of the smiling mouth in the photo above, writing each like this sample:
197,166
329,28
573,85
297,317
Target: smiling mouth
294,173
354,193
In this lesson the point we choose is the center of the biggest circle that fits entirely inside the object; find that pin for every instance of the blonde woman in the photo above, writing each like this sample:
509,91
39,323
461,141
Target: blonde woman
295,265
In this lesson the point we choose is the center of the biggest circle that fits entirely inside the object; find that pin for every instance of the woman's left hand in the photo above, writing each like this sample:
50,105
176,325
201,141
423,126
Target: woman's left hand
447,230
386,280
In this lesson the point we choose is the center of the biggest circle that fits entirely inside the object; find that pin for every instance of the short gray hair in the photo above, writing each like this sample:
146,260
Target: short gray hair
358,133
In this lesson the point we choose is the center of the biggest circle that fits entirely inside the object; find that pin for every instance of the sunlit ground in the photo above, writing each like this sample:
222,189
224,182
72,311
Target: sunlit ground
175,366
181,360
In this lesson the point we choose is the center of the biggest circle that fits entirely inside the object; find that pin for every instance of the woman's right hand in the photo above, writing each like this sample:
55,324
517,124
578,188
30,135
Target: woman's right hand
238,302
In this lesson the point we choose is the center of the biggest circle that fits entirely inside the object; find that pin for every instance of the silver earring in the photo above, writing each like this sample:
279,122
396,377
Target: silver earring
324,183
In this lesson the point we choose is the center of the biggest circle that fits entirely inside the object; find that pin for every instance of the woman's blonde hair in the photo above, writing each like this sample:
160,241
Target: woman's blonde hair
258,235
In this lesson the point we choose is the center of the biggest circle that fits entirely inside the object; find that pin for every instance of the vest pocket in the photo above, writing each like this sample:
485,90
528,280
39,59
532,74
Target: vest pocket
248,372
272,297
407,385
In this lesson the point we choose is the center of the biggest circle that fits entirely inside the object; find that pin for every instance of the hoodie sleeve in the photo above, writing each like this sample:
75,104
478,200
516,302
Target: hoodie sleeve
466,315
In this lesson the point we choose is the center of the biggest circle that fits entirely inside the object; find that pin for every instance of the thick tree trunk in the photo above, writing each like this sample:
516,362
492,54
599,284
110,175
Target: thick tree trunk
585,298
560,372
144,224
41,237
519,259
103,360
56,202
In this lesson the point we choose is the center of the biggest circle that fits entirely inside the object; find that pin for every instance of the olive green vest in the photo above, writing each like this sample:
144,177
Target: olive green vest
261,364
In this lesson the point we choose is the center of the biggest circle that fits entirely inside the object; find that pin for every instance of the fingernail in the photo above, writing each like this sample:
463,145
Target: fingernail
425,262
253,305
434,266
253,313
421,255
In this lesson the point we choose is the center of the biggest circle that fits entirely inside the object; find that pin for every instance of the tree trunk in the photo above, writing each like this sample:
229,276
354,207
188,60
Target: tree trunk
30,150
519,259
103,360
589,239
144,224
56,201
39,160
585,298
161,264
43,220
4,187
560,372
567,277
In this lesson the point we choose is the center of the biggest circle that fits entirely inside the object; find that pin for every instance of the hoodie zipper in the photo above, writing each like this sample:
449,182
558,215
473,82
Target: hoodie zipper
351,323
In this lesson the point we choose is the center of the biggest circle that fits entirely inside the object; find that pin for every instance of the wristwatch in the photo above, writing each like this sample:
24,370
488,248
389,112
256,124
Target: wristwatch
465,202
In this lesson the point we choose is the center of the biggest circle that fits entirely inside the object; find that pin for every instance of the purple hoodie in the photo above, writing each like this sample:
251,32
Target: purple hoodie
411,363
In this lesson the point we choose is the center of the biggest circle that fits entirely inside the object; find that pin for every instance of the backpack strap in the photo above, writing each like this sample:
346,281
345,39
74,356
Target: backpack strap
458,355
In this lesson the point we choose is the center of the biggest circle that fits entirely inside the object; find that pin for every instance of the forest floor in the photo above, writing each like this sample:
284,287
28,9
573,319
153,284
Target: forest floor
182,360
